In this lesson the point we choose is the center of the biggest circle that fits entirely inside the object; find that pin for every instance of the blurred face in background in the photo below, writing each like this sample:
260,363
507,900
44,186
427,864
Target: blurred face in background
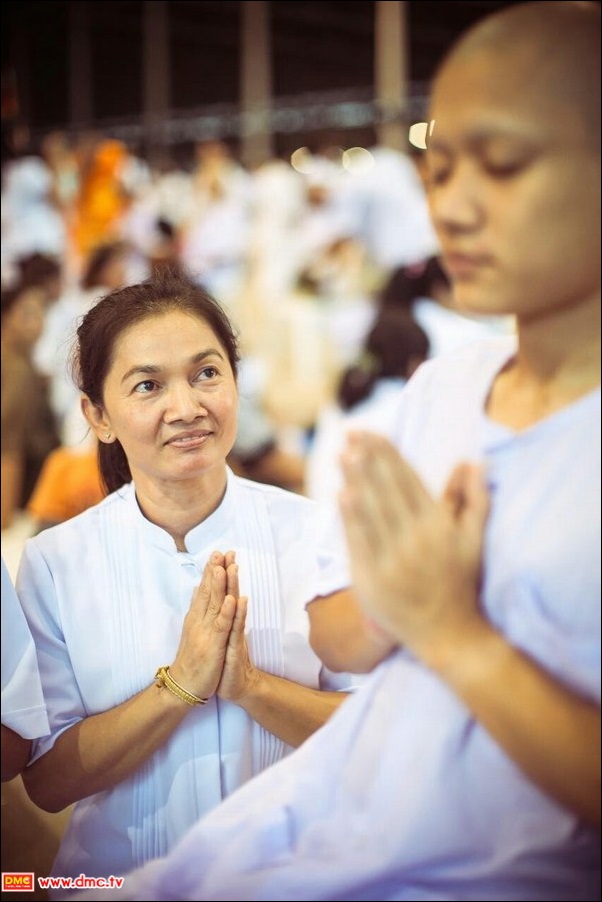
115,271
23,323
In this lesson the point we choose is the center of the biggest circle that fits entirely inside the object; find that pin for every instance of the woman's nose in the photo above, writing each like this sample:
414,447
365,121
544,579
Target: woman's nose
454,203
184,403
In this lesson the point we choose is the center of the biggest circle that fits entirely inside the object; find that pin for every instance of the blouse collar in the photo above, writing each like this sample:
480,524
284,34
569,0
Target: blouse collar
199,536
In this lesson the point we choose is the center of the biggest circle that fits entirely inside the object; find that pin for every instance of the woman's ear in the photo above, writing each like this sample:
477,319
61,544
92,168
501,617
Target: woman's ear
96,419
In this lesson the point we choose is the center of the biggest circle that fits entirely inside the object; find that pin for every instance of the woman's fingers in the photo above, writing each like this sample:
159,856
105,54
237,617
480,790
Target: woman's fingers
467,495
238,626
381,491
202,593
217,594
232,587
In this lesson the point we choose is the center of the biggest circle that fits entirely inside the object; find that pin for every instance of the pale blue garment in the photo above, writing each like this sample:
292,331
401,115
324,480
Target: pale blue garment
23,708
403,795
105,595
377,413
448,330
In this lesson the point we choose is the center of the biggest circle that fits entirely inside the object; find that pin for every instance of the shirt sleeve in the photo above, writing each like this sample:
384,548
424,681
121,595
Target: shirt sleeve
37,592
331,550
23,707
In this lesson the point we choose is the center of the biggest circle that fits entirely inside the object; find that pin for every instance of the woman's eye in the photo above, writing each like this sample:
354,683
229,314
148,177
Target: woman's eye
437,177
501,170
208,372
145,387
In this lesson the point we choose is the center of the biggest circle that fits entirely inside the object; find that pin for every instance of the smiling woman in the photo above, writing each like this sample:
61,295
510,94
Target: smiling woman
108,593
170,401
147,359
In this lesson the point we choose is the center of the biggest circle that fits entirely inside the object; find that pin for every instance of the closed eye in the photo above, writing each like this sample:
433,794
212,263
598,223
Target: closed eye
437,177
503,170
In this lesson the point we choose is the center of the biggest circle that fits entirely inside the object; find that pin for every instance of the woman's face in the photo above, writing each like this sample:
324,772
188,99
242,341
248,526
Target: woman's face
170,398
514,189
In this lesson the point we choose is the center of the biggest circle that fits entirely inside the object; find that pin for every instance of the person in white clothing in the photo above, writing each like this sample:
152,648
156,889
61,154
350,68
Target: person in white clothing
24,715
105,269
423,290
468,766
159,705
368,397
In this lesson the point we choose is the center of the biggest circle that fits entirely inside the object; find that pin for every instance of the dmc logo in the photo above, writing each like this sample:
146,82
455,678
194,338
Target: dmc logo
18,881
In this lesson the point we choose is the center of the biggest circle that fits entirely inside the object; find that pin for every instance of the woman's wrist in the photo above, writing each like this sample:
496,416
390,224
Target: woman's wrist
164,679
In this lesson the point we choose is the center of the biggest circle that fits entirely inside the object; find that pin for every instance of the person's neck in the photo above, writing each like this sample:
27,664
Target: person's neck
177,507
557,362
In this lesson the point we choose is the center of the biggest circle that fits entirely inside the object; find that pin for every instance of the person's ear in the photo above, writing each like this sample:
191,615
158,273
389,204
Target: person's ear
97,420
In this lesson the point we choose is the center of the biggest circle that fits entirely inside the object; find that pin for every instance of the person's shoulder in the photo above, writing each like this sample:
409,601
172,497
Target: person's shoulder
492,348
447,389
281,504
272,493
297,522
77,529
482,356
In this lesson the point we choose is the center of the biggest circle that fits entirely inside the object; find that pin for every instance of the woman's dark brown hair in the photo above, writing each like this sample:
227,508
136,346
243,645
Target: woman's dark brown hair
409,283
394,346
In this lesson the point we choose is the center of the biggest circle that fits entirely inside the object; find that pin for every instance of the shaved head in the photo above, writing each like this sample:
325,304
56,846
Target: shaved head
557,43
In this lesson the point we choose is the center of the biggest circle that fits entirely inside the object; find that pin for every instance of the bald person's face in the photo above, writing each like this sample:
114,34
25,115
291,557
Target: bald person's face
514,187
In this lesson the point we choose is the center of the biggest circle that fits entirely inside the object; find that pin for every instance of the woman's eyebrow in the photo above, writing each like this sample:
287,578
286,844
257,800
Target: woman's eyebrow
147,369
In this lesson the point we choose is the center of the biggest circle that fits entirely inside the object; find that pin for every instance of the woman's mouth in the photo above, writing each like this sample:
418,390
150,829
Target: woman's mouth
188,439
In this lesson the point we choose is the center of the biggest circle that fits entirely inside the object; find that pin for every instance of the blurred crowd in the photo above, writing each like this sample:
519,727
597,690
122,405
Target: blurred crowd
307,256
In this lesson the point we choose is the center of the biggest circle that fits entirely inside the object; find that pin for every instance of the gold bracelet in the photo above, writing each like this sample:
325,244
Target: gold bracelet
164,678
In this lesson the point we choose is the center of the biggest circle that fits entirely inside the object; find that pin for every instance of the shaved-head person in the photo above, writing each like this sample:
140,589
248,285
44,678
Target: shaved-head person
467,767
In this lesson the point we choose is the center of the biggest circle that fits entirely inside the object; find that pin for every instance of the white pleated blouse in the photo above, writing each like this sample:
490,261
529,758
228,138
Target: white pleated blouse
106,594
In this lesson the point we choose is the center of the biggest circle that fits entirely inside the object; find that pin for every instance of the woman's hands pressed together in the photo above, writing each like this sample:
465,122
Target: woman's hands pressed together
215,610
238,674
415,560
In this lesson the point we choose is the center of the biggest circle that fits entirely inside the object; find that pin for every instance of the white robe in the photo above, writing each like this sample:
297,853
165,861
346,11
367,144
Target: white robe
23,708
105,595
403,795
377,413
